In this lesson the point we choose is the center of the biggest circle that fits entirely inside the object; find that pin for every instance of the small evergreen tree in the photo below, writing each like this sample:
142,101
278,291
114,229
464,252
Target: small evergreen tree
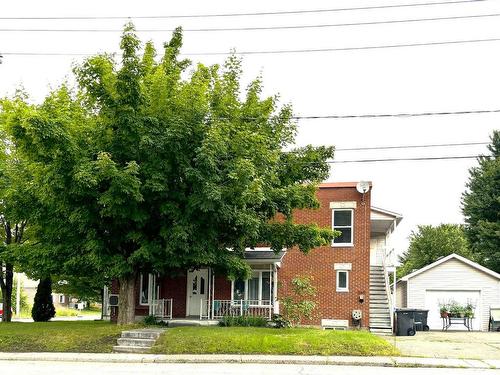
43,308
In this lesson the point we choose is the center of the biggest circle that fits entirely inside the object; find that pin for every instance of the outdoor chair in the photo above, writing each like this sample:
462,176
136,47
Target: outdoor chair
494,318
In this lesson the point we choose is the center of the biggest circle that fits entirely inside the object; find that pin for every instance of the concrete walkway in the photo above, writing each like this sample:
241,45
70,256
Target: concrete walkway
264,359
462,345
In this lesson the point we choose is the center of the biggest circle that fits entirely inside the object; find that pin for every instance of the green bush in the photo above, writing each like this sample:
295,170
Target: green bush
150,320
243,321
43,309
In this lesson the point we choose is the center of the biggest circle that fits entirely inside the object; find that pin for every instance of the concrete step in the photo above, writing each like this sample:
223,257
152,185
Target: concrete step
377,291
381,331
378,297
147,343
142,334
130,349
380,315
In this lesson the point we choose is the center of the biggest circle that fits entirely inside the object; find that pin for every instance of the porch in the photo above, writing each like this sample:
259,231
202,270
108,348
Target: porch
204,295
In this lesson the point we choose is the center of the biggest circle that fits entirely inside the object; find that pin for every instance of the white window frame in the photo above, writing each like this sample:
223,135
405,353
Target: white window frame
260,304
337,286
142,275
343,244
61,298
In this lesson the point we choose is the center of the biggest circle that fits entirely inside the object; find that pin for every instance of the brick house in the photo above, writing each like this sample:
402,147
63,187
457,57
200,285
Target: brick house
350,274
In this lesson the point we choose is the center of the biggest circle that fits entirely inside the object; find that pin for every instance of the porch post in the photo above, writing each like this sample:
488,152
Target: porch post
150,293
275,289
213,294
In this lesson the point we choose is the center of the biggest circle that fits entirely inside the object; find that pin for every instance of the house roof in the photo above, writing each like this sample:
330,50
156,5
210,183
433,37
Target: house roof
447,258
326,185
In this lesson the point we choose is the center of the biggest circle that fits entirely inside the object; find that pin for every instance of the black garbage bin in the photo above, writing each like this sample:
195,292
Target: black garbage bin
405,322
421,319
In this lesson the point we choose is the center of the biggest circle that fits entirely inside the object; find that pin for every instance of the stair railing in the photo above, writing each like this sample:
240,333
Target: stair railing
387,284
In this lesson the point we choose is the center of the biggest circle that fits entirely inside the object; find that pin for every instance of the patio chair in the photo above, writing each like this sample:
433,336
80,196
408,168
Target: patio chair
494,318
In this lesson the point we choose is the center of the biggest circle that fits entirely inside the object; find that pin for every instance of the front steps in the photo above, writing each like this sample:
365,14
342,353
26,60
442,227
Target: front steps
380,314
137,340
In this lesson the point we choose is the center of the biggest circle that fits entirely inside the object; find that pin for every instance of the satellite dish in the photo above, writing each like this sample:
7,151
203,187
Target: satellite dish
363,187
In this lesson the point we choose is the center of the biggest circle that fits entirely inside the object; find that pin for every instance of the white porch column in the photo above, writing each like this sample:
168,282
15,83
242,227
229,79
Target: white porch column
276,307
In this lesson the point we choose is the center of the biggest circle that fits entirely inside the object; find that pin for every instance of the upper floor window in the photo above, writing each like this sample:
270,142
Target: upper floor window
343,221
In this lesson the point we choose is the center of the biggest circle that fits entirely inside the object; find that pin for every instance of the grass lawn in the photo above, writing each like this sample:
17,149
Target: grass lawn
85,336
249,340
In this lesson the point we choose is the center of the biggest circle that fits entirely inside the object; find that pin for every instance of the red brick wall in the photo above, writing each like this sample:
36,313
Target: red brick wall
175,287
222,287
319,263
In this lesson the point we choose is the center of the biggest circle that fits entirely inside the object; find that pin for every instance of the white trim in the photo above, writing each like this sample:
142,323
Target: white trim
61,299
337,287
259,297
342,266
445,259
343,244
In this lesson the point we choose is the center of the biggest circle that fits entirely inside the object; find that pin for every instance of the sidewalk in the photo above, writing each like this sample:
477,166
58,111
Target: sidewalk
267,359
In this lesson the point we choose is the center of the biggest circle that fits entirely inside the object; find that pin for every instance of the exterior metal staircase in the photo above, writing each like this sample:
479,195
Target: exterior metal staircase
380,308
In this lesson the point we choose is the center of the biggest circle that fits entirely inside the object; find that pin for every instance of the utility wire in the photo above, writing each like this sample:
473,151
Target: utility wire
407,114
403,159
411,146
304,11
261,28
277,52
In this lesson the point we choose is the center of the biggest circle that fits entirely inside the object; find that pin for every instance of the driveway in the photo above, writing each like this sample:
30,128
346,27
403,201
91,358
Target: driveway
473,345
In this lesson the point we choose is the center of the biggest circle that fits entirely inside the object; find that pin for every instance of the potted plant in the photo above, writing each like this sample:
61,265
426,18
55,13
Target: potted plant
455,310
469,310
443,310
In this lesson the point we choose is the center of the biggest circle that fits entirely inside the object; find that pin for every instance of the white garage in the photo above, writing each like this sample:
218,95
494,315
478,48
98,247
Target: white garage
452,278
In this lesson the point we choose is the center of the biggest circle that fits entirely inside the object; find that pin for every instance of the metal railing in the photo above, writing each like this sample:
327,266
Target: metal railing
217,309
386,256
162,308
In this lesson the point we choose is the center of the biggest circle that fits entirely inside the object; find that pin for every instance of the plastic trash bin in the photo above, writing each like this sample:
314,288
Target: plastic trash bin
405,322
421,319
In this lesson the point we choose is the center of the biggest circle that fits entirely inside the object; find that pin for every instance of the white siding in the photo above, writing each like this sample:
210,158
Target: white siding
455,275
401,294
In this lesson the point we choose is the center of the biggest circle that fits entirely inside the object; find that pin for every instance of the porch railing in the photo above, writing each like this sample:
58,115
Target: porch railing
162,308
217,309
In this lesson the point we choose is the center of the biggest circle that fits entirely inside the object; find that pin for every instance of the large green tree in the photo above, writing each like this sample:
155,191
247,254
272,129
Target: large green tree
429,243
481,206
145,168
16,198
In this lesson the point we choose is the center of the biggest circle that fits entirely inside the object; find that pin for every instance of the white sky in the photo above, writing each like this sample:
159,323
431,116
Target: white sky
415,79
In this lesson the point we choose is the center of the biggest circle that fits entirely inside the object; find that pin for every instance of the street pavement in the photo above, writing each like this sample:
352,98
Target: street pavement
89,368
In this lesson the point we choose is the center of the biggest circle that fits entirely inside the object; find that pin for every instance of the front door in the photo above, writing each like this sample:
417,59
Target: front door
197,291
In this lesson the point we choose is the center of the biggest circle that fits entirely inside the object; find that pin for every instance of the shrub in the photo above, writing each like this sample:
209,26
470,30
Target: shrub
279,321
43,308
299,305
150,320
243,321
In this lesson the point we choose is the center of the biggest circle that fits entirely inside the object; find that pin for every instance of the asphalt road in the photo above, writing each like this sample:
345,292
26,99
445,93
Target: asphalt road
72,368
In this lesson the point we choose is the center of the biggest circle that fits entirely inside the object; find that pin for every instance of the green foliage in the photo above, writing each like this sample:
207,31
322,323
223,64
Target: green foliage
43,307
150,320
23,298
243,321
481,207
279,321
144,168
429,243
299,306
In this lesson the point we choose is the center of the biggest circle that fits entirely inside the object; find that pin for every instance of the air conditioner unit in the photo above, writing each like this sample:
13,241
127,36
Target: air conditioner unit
335,324
113,300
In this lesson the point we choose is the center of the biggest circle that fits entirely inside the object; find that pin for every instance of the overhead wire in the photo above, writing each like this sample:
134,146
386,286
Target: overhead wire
266,13
261,28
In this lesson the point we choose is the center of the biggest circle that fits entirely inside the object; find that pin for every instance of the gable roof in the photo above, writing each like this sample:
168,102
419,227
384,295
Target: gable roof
447,258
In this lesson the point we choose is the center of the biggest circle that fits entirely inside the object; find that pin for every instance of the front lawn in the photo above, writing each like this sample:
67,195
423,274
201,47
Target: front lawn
84,336
249,340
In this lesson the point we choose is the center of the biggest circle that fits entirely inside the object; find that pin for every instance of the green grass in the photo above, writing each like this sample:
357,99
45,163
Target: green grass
85,337
250,340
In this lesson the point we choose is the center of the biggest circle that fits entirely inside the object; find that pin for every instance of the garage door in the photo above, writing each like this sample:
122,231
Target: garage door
434,297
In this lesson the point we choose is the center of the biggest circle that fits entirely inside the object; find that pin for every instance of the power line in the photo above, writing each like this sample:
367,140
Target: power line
408,114
411,146
261,28
277,52
403,159
304,11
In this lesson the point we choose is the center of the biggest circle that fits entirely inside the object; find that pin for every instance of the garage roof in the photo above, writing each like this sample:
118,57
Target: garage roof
445,259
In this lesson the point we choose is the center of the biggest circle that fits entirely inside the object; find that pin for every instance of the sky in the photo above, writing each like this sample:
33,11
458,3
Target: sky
435,78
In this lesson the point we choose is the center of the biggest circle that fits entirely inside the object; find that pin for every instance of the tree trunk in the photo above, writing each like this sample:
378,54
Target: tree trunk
7,292
126,300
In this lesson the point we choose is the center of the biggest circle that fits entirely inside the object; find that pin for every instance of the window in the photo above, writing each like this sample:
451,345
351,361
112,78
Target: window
257,289
342,221
342,281
144,289
61,298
